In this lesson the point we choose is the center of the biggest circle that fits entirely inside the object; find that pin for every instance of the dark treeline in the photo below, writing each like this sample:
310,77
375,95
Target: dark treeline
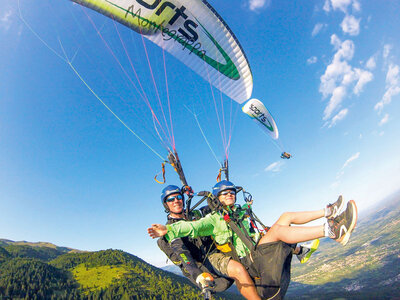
36,274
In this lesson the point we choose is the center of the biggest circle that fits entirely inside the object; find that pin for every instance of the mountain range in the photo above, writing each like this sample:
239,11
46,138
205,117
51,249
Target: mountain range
368,267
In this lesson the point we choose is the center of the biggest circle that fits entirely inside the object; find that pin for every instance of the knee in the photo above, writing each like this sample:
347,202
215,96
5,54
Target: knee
236,269
286,215
285,218
275,228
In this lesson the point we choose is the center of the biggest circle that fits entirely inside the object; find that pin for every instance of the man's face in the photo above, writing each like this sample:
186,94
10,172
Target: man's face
227,197
174,204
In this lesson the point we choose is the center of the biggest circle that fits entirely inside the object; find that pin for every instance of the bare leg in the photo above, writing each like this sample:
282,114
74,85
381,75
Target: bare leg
292,234
301,217
243,280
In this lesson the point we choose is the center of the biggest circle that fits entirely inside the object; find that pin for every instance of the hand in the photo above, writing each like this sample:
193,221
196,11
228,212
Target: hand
205,280
157,230
188,190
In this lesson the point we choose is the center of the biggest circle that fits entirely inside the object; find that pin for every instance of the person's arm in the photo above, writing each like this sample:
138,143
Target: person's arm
202,227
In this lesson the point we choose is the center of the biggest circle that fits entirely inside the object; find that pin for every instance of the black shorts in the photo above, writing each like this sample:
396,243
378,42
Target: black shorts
269,266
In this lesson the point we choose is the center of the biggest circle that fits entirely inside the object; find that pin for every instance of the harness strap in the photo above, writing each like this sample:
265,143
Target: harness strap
240,231
219,175
163,174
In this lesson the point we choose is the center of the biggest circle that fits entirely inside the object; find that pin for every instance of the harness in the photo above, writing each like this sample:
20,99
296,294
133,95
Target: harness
268,264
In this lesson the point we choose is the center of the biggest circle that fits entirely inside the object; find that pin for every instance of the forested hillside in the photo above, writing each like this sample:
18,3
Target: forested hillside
30,272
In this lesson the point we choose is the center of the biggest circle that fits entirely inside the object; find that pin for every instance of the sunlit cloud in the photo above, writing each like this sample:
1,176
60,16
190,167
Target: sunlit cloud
342,5
274,167
362,77
258,4
392,86
335,184
350,160
392,76
371,63
338,95
327,6
338,117
356,5
341,171
386,51
312,60
317,28
339,78
5,20
351,25
384,120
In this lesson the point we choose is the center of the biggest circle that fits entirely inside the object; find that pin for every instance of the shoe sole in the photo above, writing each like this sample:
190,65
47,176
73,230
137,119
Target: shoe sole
314,247
338,210
344,240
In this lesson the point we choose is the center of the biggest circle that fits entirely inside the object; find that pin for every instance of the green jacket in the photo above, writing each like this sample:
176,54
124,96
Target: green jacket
215,226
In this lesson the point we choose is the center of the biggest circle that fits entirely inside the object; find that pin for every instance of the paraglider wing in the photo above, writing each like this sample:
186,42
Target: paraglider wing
193,32
256,110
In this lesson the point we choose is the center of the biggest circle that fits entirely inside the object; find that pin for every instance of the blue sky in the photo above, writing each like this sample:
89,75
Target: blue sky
73,175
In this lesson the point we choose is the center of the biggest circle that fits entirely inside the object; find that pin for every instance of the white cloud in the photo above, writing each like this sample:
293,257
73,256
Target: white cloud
341,171
342,5
312,60
392,76
351,25
363,78
356,5
257,4
339,116
346,51
386,50
274,167
384,120
351,159
387,97
327,6
5,20
335,184
317,28
335,41
337,97
392,86
339,77
371,63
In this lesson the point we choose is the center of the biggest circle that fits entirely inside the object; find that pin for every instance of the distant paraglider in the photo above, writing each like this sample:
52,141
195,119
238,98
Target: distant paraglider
256,110
286,155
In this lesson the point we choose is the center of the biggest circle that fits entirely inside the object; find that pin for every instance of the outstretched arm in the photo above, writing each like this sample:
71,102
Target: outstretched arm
157,230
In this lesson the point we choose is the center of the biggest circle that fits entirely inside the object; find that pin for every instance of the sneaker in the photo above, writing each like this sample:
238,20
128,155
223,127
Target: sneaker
341,227
333,210
307,250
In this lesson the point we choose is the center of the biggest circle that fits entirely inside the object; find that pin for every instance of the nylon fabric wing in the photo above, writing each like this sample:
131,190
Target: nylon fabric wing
256,110
193,32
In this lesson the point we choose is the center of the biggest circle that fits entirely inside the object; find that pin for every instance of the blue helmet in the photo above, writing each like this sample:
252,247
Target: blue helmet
169,190
221,186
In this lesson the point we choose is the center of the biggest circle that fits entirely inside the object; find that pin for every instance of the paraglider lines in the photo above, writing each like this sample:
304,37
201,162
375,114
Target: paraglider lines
123,69
105,105
155,87
68,61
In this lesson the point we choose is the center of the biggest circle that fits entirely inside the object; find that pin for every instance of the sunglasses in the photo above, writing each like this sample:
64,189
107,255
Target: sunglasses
228,192
170,199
